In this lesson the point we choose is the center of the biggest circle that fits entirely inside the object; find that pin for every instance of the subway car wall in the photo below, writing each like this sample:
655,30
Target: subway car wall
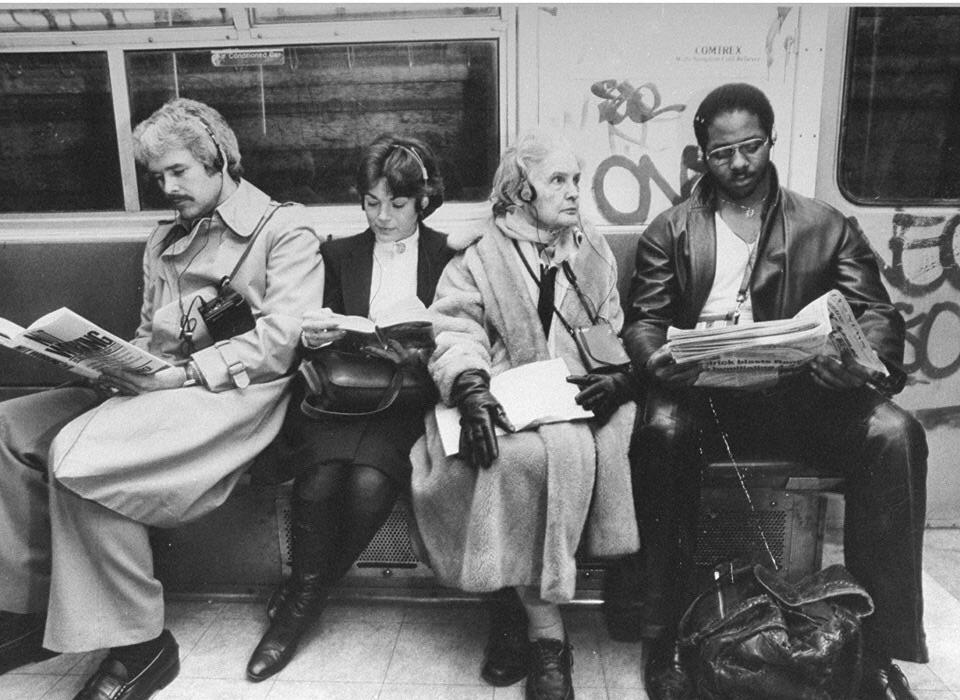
865,102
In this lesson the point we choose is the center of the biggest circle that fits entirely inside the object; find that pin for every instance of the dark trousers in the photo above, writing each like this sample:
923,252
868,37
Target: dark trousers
879,448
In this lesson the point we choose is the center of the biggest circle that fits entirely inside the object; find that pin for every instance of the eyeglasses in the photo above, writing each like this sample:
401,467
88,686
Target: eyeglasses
748,149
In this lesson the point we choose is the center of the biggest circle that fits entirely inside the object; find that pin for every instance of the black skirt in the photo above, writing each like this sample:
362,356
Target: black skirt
381,441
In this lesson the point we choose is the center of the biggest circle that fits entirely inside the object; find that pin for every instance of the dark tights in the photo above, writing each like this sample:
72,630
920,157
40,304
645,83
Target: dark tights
338,508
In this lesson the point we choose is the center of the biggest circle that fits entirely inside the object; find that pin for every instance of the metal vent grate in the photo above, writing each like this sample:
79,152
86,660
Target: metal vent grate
725,535
390,547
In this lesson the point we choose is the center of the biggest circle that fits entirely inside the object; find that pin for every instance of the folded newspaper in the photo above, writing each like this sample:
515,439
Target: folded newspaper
531,395
73,343
756,355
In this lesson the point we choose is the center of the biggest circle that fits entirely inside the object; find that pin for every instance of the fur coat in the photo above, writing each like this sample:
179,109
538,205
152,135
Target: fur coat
521,521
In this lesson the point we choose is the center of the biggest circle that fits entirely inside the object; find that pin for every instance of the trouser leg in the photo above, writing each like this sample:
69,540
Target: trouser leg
882,451
102,591
27,426
666,472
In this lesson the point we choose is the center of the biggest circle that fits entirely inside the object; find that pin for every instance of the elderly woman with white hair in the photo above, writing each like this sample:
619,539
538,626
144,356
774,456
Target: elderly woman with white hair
512,510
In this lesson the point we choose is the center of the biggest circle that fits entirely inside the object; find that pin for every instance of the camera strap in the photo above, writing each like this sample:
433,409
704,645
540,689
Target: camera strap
267,215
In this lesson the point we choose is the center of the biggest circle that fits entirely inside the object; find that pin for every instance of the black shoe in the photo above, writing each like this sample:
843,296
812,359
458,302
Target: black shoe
884,681
112,681
21,640
664,676
298,611
551,663
506,656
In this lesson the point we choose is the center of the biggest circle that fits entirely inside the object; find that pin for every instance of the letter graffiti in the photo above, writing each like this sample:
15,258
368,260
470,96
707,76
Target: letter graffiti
920,330
617,95
921,264
622,101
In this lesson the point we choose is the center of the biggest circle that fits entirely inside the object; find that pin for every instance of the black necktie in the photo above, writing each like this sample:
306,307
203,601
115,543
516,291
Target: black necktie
548,279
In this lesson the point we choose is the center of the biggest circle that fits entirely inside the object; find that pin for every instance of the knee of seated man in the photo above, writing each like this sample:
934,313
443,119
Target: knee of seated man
897,430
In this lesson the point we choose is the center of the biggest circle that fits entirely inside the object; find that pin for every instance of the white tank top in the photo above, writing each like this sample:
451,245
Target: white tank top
733,254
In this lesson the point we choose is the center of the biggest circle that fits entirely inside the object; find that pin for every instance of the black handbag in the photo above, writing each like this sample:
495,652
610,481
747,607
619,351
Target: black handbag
756,635
344,379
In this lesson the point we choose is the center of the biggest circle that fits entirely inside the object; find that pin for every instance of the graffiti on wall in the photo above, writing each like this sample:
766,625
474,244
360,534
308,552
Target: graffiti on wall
621,101
924,253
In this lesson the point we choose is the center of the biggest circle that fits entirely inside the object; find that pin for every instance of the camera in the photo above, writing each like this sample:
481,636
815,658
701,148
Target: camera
227,314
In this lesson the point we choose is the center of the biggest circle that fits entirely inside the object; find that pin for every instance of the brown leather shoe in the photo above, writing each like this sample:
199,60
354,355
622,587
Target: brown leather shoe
550,671
112,681
21,640
885,682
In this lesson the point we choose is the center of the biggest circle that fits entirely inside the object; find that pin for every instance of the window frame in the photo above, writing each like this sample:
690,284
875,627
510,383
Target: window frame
329,219
846,85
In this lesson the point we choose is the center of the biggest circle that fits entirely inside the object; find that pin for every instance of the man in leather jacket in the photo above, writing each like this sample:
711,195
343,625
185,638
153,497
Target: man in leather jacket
743,247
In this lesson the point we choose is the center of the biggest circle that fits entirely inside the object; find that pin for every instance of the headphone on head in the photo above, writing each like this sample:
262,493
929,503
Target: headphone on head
525,191
220,161
424,200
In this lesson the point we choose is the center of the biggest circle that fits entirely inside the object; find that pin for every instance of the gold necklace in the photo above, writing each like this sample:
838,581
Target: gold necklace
748,211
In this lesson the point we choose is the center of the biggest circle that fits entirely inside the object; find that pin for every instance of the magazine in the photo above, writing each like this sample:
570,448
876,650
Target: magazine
756,355
73,343
531,395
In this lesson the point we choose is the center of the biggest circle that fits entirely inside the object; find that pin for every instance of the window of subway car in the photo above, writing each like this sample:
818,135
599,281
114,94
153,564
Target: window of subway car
303,113
900,136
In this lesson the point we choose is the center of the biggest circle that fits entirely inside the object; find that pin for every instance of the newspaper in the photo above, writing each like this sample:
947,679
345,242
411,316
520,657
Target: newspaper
759,354
73,343
531,395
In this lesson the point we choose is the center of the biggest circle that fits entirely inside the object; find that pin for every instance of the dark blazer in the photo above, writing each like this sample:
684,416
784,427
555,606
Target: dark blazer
806,248
348,263
382,441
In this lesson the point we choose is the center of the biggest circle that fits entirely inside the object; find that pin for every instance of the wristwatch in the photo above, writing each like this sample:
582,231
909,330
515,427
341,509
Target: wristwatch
193,375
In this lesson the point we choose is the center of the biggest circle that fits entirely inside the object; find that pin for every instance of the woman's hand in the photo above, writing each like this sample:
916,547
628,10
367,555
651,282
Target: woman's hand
400,355
131,384
480,414
320,328
603,393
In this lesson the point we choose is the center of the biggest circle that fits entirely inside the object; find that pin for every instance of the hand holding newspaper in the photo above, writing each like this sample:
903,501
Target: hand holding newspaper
531,395
73,343
759,354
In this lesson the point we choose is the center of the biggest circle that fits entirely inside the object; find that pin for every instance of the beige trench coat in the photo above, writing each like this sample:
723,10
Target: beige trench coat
168,456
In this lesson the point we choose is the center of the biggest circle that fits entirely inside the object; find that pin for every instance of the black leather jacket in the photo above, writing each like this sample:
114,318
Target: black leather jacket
806,249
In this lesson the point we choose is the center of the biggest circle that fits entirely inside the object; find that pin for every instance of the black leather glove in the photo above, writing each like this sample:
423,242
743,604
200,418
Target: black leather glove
480,413
400,355
604,393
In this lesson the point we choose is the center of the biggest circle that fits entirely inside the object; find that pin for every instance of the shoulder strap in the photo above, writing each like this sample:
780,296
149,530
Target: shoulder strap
267,215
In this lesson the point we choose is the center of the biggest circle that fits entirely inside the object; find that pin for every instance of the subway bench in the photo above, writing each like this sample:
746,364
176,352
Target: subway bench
242,549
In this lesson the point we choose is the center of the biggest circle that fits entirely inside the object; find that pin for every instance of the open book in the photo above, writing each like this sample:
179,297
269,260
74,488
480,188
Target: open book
73,343
531,395
758,354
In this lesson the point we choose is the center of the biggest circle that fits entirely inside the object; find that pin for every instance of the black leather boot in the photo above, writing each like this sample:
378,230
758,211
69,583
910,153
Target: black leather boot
301,598
506,655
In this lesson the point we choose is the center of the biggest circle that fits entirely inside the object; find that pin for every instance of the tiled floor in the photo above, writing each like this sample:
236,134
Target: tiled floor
392,651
